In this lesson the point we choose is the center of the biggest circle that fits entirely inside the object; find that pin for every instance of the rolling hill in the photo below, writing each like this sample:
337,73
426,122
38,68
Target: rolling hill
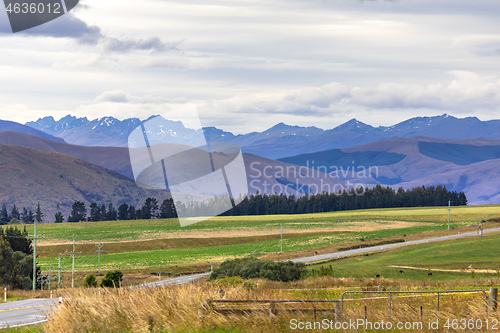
462,165
29,176
12,126
112,158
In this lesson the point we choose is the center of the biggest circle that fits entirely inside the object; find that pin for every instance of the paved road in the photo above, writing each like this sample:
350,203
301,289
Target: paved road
29,311
33,311
388,246
179,280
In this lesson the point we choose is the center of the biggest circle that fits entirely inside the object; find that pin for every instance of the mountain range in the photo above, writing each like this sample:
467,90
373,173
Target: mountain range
463,154
278,141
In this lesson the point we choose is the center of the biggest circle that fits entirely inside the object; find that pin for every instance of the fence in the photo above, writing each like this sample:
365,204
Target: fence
209,305
235,306
437,292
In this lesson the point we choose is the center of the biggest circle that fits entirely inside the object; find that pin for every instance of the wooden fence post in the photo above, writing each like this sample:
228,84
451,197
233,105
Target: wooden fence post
338,311
272,310
493,298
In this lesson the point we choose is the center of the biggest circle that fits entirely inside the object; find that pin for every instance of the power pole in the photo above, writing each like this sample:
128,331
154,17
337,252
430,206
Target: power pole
99,251
35,240
59,271
50,275
73,254
281,238
449,207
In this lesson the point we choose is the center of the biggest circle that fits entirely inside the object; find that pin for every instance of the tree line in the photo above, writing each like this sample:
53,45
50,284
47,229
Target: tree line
151,209
17,216
376,197
255,204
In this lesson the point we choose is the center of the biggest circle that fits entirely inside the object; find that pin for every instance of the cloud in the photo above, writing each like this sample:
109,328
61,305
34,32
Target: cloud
66,26
154,44
466,92
116,96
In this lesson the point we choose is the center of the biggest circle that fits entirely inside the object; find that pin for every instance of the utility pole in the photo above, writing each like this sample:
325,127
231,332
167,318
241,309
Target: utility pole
281,237
34,257
59,271
35,240
50,275
449,208
99,251
73,254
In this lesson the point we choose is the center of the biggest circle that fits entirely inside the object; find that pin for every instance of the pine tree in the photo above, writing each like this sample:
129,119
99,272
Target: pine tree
39,214
25,217
31,217
78,212
103,213
15,213
4,215
59,218
111,215
95,212
123,212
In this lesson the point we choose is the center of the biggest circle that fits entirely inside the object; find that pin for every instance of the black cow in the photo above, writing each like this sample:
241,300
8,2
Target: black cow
401,272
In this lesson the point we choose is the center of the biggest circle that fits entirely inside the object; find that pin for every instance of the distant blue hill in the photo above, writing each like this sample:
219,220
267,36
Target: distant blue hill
458,153
342,160
16,127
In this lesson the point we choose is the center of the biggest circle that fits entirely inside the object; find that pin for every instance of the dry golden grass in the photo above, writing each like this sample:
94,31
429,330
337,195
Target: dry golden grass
175,308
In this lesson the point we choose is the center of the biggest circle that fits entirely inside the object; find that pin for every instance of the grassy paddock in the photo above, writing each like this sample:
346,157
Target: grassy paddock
163,244
116,231
445,260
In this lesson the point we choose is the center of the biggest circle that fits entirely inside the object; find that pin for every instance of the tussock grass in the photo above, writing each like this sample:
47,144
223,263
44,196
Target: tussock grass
175,308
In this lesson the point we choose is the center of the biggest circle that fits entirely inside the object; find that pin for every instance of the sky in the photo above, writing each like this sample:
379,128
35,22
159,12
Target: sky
249,64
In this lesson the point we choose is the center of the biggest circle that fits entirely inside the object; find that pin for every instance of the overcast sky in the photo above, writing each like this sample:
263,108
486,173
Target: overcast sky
249,64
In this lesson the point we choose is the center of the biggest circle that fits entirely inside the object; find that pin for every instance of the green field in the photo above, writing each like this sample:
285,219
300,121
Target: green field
158,244
445,260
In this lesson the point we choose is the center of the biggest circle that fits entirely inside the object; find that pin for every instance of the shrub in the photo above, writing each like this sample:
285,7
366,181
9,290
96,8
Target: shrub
112,279
322,271
250,268
90,281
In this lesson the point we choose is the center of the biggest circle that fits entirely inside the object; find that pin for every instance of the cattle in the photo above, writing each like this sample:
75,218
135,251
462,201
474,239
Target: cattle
401,272
377,276
429,274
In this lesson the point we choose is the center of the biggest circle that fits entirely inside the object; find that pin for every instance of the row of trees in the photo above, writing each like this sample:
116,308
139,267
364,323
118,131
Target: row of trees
376,197
255,204
151,209
24,216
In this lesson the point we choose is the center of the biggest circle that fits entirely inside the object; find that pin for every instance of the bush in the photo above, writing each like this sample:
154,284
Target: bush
322,271
250,268
90,281
112,279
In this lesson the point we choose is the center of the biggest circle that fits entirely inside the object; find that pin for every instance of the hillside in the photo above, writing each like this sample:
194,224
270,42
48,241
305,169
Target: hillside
112,158
12,126
462,165
264,175
29,176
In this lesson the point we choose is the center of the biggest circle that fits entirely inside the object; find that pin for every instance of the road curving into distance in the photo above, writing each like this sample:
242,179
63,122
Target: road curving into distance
34,311
335,255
